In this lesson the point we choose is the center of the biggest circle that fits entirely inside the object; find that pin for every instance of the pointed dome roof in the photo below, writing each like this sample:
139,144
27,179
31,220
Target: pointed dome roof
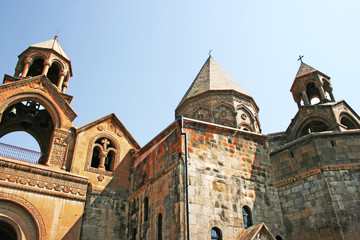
54,45
212,77
305,69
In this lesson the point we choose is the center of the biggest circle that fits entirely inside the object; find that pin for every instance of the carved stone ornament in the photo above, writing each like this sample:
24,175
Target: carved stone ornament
43,181
25,210
59,152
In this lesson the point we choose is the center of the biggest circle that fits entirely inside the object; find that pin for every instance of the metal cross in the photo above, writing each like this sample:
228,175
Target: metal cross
210,52
300,58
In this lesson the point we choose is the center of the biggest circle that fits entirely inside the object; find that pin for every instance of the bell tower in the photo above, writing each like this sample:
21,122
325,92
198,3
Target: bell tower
46,58
34,101
318,110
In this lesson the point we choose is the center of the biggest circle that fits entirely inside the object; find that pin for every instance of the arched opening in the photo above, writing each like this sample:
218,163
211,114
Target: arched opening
36,68
247,217
7,232
95,160
103,155
312,92
146,209
216,234
53,73
26,127
348,122
159,227
313,126
278,237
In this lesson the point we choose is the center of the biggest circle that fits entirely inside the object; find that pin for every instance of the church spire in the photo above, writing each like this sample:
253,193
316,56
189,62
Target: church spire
214,96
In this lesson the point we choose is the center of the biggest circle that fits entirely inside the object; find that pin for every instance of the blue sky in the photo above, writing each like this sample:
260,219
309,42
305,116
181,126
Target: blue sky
138,58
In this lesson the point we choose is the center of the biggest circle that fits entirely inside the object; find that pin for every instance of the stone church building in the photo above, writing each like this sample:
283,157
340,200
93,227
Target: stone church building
211,174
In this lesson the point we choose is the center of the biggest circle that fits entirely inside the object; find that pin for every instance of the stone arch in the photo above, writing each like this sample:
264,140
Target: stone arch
202,113
11,100
313,124
29,222
224,113
91,147
348,121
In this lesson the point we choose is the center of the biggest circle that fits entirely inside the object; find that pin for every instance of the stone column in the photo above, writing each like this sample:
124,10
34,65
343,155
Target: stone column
305,98
28,61
46,67
319,86
62,75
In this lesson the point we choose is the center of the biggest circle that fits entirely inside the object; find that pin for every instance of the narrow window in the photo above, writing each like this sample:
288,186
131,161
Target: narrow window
333,143
134,232
95,160
146,209
216,234
159,227
247,217
278,237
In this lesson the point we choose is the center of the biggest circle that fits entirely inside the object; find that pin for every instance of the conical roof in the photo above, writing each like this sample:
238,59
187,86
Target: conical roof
52,44
212,77
305,69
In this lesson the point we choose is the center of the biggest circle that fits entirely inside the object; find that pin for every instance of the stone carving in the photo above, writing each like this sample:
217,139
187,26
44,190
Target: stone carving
19,206
59,152
42,181
92,144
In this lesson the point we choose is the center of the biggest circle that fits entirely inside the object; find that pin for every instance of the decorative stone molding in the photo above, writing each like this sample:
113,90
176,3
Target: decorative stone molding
26,211
43,181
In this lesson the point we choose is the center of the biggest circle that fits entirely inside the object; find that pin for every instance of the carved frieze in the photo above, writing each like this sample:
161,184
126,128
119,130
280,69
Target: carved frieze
42,181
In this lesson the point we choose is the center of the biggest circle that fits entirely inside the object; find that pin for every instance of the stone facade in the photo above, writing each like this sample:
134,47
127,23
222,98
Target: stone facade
210,174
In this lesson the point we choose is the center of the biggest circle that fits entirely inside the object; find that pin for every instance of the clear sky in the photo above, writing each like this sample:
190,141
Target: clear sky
138,58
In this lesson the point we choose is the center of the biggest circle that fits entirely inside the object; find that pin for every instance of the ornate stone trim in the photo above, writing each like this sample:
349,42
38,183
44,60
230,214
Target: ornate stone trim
29,208
90,152
316,171
42,181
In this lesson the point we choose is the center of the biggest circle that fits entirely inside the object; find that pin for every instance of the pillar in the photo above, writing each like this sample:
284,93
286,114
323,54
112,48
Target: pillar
28,61
305,98
46,67
319,86
62,75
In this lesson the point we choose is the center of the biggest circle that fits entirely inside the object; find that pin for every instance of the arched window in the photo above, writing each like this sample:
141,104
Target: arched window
247,217
159,227
278,237
103,155
216,234
312,92
146,209
36,68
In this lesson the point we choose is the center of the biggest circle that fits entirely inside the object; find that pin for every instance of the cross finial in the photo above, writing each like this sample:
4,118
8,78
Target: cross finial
210,52
300,58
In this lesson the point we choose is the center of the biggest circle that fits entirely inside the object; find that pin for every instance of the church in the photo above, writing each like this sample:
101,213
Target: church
211,174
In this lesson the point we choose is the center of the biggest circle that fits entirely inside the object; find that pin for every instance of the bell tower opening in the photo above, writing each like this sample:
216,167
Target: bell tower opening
36,68
53,73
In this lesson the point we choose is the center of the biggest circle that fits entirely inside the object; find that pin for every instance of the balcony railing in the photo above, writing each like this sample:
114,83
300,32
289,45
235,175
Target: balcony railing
19,153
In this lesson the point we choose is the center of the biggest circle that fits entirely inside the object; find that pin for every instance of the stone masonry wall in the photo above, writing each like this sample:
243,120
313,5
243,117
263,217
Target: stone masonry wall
158,176
318,181
229,169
